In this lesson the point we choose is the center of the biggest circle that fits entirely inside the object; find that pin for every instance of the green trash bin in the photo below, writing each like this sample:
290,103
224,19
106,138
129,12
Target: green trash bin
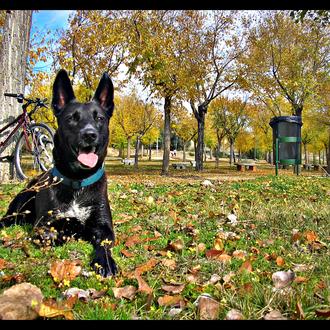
286,140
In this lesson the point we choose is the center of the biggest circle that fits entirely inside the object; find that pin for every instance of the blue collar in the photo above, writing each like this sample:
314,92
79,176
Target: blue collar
77,184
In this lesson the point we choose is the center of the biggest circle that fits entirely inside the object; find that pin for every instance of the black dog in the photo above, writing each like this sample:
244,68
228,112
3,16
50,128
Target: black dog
71,198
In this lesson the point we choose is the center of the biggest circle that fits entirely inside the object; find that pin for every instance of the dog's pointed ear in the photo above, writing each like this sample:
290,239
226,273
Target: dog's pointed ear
104,94
62,92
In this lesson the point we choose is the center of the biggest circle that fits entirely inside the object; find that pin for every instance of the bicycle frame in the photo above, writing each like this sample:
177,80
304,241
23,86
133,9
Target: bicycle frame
21,121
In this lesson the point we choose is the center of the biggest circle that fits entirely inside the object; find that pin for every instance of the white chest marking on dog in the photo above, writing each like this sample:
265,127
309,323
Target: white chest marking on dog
76,211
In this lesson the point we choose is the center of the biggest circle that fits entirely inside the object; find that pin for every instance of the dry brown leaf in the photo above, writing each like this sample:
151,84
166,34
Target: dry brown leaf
323,312
208,308
150,264
136,228
50,308
157,234
85,295
240,254
300,279
201,247
224,258
311,236
62,270
212,253
227,278
246,266
132,240
19,302
143,286
300,311
170,263
123,218
171,301
173,288
127,253
127,292
280,261
274,315
176,246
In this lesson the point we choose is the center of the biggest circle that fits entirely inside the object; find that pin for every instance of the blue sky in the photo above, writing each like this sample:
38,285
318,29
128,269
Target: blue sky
44,20
50,19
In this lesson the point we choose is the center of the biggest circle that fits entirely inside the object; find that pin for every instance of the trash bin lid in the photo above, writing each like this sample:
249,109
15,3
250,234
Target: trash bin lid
287,119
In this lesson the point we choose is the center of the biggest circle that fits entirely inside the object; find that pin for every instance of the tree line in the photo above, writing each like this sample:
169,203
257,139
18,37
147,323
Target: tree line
218,74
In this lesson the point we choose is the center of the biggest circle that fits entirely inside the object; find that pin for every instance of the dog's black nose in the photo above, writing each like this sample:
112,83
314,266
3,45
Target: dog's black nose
89,135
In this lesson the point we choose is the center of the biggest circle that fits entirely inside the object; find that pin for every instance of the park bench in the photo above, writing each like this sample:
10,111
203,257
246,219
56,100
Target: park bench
128,161
179,166
246,166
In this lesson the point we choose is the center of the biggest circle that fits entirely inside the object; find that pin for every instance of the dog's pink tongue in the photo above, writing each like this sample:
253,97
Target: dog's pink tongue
89,160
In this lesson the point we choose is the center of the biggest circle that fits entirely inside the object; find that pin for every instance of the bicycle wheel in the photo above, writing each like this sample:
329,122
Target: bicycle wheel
33,154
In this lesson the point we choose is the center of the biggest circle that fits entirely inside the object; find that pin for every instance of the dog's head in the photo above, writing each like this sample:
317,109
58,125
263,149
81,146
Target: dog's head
81,139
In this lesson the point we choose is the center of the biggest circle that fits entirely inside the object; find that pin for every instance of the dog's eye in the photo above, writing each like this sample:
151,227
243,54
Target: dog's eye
99,118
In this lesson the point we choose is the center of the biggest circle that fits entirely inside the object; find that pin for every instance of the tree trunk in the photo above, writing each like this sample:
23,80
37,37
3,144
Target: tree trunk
184,152
167,135
200,139
305,151
149,151
328,154
120,152
210,153
232,156
142,150
13,64
217,155
129,147
136,156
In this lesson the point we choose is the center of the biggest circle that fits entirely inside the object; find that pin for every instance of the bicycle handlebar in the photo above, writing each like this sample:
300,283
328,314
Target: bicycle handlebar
20,98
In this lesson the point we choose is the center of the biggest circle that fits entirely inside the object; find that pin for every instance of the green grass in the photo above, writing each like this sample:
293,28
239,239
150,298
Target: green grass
268,209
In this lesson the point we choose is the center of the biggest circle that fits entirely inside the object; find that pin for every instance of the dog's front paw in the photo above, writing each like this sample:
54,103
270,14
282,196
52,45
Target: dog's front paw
104,264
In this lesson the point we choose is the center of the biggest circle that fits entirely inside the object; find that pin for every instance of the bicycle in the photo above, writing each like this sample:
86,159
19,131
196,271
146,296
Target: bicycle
33,150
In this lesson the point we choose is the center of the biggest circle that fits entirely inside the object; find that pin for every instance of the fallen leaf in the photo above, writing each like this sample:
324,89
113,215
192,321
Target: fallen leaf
143,286
157,234
51,308
234,314
127,253
310,236
218,244
274,315
227,278
323,312
84,295
173,288
281,279
19,302
208,308
280,261
296,235
223,258
215,278
150,264
240,254
65,270
212,253
171,301
136,228
170,263
127,292
300,311
176,246
246,266
123,218
201,247
302,268
132,240
300,279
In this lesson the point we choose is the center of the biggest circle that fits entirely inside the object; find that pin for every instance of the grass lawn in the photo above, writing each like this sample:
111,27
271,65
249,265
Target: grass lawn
179,237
